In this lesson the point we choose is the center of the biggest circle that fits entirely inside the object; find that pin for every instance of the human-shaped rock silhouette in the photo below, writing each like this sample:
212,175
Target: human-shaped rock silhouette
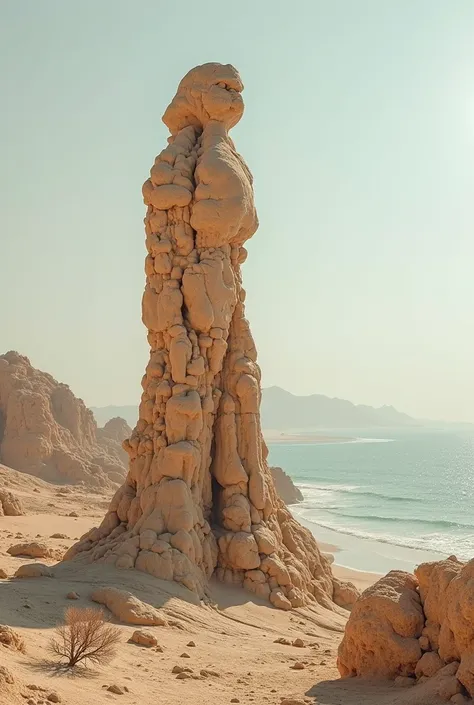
199,497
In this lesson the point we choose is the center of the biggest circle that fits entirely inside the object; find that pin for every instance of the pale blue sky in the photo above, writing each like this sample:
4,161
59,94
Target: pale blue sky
359,129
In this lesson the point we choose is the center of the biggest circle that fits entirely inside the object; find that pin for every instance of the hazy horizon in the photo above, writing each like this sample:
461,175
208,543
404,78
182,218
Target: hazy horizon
359,130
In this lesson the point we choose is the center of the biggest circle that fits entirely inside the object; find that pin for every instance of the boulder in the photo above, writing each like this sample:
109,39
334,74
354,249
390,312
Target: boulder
381,636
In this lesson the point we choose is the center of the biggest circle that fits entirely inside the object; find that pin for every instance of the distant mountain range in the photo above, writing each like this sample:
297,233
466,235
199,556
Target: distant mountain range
281,410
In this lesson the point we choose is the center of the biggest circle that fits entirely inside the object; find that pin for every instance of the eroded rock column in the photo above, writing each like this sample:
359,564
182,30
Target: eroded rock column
199,495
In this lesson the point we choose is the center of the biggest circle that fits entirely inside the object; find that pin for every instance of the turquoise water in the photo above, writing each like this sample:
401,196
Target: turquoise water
411,489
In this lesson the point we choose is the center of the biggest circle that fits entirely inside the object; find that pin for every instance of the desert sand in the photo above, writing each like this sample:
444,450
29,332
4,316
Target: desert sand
234,634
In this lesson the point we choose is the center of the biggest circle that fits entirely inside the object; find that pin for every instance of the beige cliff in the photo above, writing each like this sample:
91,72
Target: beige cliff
416,626
46,431
199,497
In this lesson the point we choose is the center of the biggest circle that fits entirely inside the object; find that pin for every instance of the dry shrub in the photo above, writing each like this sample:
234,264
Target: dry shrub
85,636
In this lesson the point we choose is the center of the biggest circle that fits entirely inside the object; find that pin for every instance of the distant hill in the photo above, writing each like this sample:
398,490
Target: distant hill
281,410
103,414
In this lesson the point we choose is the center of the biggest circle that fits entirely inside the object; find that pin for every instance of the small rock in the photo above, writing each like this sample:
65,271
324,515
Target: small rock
404,681
36,490
54,697
449,687
299,643
235,700
190,643
292,701
185,655
159,649
58,536
323,663
75,514
182,675
177,669
459,699
298,666
429,664
282,640
115,689
72,596
424,643
143,638
205,672
3,574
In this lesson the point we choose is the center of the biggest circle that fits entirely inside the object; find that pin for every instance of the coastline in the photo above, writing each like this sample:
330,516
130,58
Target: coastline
307,438
365,560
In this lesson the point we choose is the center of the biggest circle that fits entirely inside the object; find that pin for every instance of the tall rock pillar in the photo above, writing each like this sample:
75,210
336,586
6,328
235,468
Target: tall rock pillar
199,497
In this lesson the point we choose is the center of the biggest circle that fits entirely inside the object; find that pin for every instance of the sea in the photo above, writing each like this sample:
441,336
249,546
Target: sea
386,498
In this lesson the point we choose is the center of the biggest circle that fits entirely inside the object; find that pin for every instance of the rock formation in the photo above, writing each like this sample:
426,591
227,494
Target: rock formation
10,504
198,496
418,626
46,431
112,436
285,487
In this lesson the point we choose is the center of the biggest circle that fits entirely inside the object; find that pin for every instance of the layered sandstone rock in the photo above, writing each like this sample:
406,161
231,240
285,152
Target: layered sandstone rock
199,496
386,637
46,431
285,487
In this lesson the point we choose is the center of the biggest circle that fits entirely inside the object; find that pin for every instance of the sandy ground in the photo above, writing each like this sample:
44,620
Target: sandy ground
234,635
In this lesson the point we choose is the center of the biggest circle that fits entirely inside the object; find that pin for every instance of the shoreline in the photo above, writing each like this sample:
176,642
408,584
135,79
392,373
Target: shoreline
364,559
308,438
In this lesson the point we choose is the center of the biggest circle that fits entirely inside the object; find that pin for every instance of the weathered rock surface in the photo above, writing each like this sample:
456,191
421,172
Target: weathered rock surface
381,636
143,638
34,570
33,549
385,637
127,608
11,639
46,431
199,496
10,505
285,487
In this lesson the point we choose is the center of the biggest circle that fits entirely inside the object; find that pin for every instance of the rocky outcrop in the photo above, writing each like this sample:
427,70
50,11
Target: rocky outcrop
10,504
128,608
199,496
34,549
11,639
421,626
286,489
47,432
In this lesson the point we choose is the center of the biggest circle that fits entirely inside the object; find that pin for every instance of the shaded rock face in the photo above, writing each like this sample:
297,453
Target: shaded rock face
418,625
47,432
199,495
112,436
285,487
10,505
